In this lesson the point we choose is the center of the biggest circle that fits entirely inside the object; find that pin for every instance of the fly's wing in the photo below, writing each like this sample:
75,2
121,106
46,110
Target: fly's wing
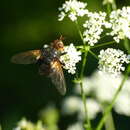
57,76
28,57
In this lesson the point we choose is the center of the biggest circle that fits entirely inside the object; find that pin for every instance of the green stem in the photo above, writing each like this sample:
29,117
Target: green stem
86,48
102,44
83,64
108,8
94,54
96,46
80,47
78,28
88,123
109,108
109,123
126,45
114,5
111,6
103,36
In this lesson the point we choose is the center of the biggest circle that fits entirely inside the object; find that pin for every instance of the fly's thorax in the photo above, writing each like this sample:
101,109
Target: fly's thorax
48,55
50,52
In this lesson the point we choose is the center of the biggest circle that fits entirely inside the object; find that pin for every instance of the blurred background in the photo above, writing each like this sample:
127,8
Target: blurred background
27,25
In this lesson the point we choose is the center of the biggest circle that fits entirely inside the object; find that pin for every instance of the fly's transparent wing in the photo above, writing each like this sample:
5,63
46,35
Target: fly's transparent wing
28,57
57,76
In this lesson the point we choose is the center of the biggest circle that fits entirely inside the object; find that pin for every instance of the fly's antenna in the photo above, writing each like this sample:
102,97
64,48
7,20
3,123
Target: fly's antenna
62,38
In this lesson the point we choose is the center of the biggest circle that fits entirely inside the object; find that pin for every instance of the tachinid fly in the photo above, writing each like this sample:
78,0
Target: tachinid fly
48,61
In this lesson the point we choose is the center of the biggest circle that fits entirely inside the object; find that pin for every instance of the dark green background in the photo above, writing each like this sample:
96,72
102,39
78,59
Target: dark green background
27,25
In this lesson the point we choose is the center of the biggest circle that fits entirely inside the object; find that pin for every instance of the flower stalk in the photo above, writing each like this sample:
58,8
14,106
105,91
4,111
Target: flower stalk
88,123
108,8
126,45
93,54
114,5
109,123
102,44
86,48
109,108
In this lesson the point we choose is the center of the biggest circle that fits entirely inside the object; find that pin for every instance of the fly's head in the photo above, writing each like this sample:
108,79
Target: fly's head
58,44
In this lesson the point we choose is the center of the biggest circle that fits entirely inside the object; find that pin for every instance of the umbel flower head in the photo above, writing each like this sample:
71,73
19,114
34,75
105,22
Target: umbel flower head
94,27
72,9
112,60
70,58
71,105
120,24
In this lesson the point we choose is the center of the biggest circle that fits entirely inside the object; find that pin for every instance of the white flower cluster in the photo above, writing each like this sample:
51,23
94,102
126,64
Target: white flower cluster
93,27
71,105
112,60
120,24
102,87
70,58
74,104
93,108
119,20
72,9
86,88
